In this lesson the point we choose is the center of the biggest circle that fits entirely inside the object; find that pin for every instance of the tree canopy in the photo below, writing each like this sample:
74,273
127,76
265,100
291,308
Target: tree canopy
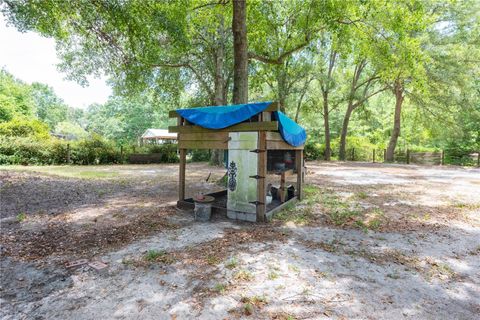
388,73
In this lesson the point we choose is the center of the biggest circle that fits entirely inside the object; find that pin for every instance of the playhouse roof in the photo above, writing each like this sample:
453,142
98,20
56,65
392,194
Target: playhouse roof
220,117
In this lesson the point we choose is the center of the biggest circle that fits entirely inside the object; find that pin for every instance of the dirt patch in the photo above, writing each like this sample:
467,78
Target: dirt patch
369,240
62,239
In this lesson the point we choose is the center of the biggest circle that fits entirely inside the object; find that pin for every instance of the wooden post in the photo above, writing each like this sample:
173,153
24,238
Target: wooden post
408,156
299,164
282,187
353,154
68,153
442,160
478,158
262,173
181,174
373,155
121,153
384,154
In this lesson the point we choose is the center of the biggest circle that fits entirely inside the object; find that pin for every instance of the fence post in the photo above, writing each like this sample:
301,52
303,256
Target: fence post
373,155
68,153
384,154
442,160
121,153
478,158
353,154
408,156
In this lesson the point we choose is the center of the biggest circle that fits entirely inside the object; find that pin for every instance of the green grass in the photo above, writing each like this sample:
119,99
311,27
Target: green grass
361,195
97,174
470,206
243,275
272,275
82,172
212,260
158,256
232,263
340,211
21,217
248,309
249,303
220,288
300,213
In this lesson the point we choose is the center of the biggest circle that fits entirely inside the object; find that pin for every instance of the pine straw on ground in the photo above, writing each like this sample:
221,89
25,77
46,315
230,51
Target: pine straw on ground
59,238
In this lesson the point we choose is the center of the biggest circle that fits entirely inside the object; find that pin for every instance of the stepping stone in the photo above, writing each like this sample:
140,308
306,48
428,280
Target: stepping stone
76,263
97,265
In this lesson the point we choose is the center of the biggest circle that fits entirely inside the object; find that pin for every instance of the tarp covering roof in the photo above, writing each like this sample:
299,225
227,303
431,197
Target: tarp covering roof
291,132
219,117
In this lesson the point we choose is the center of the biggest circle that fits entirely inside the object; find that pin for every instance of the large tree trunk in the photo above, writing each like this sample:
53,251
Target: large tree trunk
240,52
326,111
326,124
342,155
281,87
217,156
399,97
219,65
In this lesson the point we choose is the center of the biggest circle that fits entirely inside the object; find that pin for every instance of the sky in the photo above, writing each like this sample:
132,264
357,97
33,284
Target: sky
32,58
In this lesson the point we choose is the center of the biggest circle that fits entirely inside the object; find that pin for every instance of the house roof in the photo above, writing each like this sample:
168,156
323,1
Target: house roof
219,117
159,134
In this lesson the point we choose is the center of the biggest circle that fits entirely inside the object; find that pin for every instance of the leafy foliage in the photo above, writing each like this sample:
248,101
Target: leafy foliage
338,67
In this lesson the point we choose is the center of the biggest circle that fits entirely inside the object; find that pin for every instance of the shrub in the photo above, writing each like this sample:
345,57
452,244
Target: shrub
20,127
314,150
361,147
94,150
200,155
167,150
33,151
24,150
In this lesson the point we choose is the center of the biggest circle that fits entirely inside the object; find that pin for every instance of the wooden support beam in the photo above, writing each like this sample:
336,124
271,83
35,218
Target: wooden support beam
299,165
282,187
181,175
198,144
281,145
209,136
262,172
274,136
244,126
276,142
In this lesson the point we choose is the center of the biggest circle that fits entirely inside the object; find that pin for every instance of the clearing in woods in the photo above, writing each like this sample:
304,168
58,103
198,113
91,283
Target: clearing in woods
369,241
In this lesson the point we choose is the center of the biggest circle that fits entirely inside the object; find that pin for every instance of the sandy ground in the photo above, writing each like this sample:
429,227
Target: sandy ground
370,241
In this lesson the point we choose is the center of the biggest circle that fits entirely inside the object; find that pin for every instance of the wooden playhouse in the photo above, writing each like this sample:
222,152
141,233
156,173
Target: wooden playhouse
260,141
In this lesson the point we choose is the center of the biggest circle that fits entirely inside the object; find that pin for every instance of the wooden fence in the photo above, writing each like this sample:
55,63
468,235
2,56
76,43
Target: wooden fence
140,158
411,157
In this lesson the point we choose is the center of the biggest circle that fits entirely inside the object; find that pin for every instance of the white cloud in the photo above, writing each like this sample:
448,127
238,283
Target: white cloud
32,58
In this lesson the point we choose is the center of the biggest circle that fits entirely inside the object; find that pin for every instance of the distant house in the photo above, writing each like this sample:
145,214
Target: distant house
157,136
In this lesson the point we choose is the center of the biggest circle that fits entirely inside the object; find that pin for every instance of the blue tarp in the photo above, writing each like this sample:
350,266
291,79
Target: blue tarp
290,131
219,117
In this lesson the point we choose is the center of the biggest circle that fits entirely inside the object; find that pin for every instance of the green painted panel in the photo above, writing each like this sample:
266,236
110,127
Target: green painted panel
242,163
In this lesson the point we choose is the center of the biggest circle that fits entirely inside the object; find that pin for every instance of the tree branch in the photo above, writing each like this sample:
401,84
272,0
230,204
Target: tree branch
200,79
278,60
360,102
221,2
